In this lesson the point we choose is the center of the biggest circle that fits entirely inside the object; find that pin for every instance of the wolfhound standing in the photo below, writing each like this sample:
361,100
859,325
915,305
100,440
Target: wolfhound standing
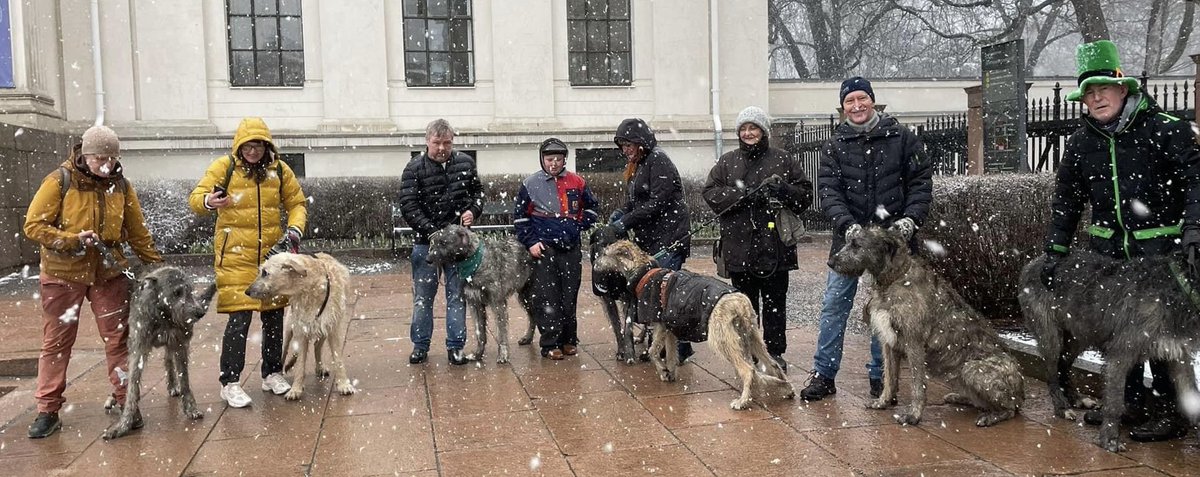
493,269
1131,310
315,286
916,313
163,310
614,294
696,308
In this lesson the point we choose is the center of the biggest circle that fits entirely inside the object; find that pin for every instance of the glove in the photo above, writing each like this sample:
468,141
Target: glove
618,227
1049,267
853,230
1191,251
290,242
774,186
905,226
616,215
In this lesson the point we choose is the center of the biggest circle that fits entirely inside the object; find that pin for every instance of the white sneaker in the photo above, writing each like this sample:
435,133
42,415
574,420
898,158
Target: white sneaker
233,394
276,383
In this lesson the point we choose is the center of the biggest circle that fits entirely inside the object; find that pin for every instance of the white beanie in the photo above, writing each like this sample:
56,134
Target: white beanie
101,141
754,114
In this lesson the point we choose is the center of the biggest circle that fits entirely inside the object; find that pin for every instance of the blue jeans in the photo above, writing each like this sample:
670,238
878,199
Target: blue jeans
425,286
835,309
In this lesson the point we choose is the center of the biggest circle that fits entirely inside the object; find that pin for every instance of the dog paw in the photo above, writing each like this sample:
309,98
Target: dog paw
666,376
645,356
346,389
293,395
880,403
111,403
908,419
739,404
174,392
991,418
322,373
1086,403
956,399
1068,414
1112,444
503,359
525,340
115,431
193,413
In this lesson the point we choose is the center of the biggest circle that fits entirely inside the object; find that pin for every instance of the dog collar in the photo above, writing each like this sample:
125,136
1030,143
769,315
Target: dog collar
328,287
468,267
641,285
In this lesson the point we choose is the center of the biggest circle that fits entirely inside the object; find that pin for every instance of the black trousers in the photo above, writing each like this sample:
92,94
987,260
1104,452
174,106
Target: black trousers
555,292
1138,398
233,346
771,292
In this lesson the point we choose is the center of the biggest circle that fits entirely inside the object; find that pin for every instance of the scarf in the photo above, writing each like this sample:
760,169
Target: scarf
867,126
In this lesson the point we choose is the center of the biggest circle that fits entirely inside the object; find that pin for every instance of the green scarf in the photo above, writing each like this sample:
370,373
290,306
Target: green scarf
468,267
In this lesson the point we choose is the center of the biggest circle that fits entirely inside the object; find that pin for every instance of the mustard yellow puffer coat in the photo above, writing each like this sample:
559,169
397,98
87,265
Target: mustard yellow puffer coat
108,206
250,225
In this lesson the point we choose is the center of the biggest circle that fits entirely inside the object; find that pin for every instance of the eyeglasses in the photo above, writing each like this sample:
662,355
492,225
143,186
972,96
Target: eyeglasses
254,147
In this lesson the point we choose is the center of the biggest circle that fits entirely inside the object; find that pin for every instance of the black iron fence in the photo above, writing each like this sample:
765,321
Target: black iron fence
1051,120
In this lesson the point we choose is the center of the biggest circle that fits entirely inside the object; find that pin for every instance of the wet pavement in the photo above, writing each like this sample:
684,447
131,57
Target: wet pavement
586,415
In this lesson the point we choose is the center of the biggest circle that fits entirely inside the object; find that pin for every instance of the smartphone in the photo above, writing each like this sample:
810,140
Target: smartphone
218,191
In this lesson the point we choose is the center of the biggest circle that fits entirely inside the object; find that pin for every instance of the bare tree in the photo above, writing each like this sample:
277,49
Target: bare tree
1090,16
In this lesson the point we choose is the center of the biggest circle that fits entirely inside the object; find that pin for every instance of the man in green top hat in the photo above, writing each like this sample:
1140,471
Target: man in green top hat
1139,169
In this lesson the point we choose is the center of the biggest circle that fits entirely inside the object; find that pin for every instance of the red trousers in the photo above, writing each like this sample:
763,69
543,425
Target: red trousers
61,303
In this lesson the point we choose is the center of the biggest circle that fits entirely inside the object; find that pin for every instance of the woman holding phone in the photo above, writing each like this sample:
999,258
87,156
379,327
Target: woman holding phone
245,190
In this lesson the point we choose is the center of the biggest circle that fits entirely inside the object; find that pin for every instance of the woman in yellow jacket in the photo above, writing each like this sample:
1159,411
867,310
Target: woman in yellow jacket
246,189
80,215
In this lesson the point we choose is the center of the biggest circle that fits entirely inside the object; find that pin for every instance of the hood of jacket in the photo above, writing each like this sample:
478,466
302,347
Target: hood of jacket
638,132
252,129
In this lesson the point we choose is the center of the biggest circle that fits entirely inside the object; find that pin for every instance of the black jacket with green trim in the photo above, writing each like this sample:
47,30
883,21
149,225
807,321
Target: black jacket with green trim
1143,183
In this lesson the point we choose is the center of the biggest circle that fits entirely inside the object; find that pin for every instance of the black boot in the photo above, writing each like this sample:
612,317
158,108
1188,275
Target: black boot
818,387
1164,428
456,357
44,425
1095,417
876,387
418,356
684,348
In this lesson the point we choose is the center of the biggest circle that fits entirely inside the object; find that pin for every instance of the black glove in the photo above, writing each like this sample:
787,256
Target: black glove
1191,251
1049,267
290,242
776,187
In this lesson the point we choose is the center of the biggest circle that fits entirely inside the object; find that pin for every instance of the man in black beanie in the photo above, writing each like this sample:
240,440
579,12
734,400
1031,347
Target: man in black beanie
893,188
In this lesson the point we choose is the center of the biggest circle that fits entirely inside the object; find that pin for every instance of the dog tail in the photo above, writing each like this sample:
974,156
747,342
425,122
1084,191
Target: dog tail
740,341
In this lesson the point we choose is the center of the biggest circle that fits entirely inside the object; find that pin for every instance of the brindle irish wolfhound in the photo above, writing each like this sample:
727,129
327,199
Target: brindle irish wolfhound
502,267
315,286
1131,310
162,311
697,308
916,313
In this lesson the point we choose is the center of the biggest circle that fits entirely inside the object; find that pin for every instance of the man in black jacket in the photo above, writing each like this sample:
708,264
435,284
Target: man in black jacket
873,171
438,188
748,187
1139,169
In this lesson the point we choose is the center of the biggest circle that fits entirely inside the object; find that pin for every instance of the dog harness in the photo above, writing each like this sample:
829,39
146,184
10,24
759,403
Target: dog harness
681,300
468,267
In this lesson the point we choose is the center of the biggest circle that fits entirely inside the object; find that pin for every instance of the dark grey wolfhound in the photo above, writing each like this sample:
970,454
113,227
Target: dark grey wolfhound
618,301
163,310
916,313
1130,310
502,267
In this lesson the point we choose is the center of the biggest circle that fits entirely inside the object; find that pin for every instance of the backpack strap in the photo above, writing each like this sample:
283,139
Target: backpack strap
64,179
229,172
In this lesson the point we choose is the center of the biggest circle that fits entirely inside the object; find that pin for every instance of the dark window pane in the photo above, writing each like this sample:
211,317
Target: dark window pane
618,36
268,68
576,9
597,68
597,9
416,69
241,68
620,70
412,8
292,35
289,7
265,7
239,7
460,68
293,68
460,35
597,36
295,162
439,34
266,34
577,63
439,68
414,35
577,35
618,9
241,35
439,8
461,8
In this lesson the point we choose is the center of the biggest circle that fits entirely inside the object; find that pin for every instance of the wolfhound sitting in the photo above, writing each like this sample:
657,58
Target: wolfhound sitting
315,286
618,300
492,269
915,312
162,312
696,308
1131,310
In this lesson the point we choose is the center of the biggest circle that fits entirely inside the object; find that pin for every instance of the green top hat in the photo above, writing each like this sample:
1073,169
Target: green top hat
1098,63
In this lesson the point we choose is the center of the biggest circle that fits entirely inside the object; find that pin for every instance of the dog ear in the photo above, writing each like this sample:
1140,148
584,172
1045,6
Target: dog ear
464,237
287,267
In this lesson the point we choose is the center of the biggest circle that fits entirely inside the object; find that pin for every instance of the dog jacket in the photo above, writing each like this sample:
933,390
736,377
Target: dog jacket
682,300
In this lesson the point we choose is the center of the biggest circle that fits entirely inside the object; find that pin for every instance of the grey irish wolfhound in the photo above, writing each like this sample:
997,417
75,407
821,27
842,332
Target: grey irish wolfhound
730,323
503,270
915,312
162,312
610,287
1131,310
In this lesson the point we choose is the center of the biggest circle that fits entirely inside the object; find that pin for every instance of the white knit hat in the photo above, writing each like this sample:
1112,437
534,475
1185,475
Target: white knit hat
754,114
101,141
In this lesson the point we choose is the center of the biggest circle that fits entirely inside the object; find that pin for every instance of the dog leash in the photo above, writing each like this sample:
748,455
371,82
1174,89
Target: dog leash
1184,283
328,288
